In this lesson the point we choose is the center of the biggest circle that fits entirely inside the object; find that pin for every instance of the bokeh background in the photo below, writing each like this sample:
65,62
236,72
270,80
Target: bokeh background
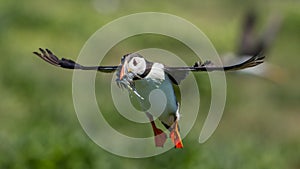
38,124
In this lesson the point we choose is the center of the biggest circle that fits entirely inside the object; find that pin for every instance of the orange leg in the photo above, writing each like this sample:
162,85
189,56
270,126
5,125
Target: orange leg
175,136
160,136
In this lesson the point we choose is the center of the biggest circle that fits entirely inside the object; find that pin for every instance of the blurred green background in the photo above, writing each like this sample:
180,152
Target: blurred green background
38,124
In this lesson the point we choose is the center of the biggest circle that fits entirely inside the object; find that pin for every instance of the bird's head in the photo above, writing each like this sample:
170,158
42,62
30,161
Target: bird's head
132,66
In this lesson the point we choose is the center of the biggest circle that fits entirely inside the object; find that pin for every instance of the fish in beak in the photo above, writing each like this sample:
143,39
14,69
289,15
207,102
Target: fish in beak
125,79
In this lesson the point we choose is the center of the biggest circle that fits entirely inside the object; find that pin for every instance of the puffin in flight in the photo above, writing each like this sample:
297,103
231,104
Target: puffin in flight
141,76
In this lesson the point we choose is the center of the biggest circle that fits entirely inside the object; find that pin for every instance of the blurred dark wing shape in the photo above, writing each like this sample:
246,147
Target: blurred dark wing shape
246,44
250,43
49,57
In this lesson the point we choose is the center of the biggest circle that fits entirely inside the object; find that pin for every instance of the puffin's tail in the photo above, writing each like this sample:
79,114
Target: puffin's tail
175,136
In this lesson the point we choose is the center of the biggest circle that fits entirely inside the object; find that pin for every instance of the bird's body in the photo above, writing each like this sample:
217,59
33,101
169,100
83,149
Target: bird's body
145,86
163,104
142,77
141,88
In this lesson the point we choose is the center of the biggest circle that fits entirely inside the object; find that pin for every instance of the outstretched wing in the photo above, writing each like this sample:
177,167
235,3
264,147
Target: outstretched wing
209,66
49,57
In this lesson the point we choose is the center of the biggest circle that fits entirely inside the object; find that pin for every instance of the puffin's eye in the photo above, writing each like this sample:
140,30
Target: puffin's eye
134,62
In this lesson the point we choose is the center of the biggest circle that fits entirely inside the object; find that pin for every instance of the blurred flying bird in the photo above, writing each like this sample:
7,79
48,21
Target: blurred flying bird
251,44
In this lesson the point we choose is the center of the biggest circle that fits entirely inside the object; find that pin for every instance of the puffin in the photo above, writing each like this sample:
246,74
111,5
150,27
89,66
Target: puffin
140,76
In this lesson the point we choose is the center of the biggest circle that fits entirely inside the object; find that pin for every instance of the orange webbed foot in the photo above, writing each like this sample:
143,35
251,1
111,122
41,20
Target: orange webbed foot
175,136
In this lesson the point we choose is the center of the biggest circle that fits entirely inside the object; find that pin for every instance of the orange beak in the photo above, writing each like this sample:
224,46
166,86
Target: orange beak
122,73
124,70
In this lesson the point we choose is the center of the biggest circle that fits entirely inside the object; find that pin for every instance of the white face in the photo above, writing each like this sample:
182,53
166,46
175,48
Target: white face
137,65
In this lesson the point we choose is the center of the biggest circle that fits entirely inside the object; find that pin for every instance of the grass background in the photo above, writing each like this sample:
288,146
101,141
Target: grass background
38,124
